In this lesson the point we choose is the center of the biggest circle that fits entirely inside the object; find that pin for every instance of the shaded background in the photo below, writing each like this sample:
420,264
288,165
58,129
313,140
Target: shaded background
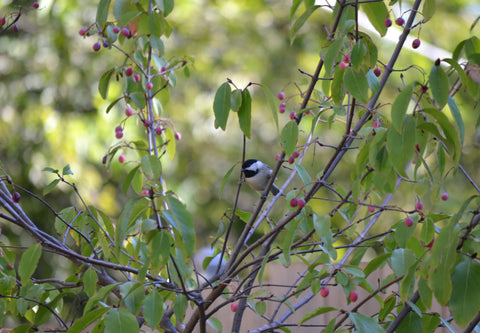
51,113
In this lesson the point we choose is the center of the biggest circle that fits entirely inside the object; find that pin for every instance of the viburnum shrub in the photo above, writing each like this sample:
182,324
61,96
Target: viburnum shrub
136,269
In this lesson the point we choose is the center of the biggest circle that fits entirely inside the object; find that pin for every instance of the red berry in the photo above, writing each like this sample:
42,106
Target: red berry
419,205
9,266
118,129
416,43
408,221
178,136
377,123
234,307
164,68
128,112
158,130
293,114
371,209
149,86
129,71
353,296
343,65
35,5
282,107
16,197
295,154
147,123
430,245
400,21
277,157
145,193
97,46
294,202
377,72
121,158
2,21
106,44
445,196
301,203
119,135
388,22
15,28
291,160
126,32
116,29
137,77
423,89
346,58
281,95
324,291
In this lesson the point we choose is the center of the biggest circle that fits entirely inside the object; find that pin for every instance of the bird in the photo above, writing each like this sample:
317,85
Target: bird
257,175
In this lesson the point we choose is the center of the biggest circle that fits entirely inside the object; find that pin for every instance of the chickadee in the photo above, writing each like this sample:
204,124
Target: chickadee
257,174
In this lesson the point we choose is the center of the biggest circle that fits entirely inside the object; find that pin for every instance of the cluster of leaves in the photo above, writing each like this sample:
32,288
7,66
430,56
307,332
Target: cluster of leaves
417,145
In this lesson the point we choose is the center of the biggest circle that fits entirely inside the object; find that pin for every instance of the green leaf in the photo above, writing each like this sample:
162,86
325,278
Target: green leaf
245,113
373,82
401,147
309,315
465,300
333,54
171,146
451,139
90,280
356,83
472,50
129,179
376,263
221,105
300,22
271,102
154,26
425,292
304,176
119,320
458,118
180,307
291,231
358,54
215,324
321,224
401,260
104,83
225,179
179,217
429,7
439,85
236,100
66,170
165,6
407,285
377,13
337,89
388,305
365,324
29,262
133,295
151,167
99,295
102,11
87,319
399,107
289,137
50,186
122,224
294,8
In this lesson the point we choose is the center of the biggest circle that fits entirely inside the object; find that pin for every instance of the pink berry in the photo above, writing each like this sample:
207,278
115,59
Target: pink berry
15,28
82,32
281,95
324,291
301,203
16,197
234,307
346,58
116,29
129,71
291,160
445,196
2,21
293,114
126,32
371,209
388,22
343,65
282,107
118,129
145,193
158,130
377,72
277,157
164,68
400,21
128,112
119,135
377,123
149,86
408,221
137,77
9,266
416,43
121,158
178,136
353,296
97,46
35,5
295,154
294,202
147,123
419,205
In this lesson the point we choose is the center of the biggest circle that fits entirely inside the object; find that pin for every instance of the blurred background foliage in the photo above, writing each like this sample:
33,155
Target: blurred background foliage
51,113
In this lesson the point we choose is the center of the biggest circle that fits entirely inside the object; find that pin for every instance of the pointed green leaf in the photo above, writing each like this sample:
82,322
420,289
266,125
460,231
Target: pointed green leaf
457,115
87,319
300,22
472,50
245,113
104,83
337,88
236,100
309,315
304,176
465,301
119,320
215,324
429,7
271,102
221,105
151,166
401,260
181,218
401,147
154,24
28,262
356,84
365,324
399,107
225,179
333,54
171,146
289,137
50,186
377,13
90,280
439,85
66,170
358,54
102,11
165,6
451,139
